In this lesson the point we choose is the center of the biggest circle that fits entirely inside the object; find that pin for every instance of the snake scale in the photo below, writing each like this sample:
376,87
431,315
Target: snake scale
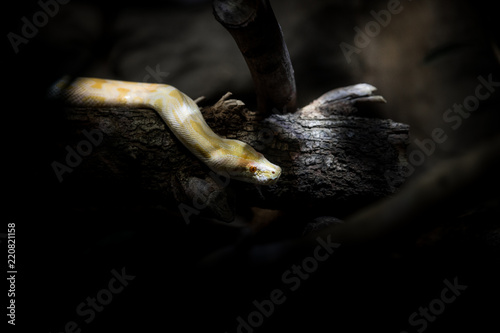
181,114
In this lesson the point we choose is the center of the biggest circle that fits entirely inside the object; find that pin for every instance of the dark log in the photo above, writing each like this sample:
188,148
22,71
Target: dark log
258,35
330,158
441,200
451,186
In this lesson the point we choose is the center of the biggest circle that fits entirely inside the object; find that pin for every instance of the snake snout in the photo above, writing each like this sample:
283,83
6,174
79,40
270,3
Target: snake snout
273,174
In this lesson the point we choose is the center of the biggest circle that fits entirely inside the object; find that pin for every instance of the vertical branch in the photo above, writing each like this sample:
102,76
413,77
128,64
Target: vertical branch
259,37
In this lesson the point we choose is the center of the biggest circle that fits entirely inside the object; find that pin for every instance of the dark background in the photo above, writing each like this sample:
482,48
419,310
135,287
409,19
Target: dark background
70,237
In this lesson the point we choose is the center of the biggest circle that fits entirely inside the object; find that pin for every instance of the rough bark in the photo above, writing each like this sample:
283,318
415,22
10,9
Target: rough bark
331,159
454,200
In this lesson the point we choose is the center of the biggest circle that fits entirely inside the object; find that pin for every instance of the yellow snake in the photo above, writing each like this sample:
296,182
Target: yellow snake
224,156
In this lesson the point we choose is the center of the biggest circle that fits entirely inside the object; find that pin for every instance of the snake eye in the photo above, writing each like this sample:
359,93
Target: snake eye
253,169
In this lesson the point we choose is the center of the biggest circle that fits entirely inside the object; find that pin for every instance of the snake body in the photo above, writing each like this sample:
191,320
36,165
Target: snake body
181,114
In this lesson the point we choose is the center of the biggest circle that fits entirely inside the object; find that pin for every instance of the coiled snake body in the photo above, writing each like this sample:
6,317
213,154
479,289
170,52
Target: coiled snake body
232,157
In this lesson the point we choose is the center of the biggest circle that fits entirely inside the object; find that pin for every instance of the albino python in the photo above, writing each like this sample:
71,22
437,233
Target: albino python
224,156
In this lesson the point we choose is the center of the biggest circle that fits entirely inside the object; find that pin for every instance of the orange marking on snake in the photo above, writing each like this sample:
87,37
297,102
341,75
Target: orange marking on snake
98,83
177,95
184,119
123,94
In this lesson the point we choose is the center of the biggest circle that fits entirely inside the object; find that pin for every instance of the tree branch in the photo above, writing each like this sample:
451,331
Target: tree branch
260,39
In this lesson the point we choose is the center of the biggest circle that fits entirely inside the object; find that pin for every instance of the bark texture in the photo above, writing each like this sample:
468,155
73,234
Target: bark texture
332,160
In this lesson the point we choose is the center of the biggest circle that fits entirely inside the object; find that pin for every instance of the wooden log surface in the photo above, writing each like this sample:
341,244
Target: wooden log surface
332,160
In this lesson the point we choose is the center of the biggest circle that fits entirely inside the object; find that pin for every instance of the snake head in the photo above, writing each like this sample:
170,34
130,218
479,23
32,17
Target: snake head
263,172
260,172
246,164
